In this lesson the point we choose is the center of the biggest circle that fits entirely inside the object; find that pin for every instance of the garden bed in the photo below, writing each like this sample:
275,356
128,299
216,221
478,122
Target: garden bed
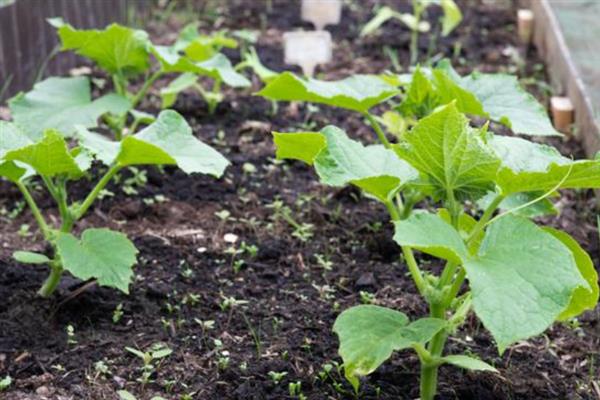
290,292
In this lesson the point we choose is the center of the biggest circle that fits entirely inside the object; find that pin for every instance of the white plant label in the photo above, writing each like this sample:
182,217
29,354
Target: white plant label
322,12
307,49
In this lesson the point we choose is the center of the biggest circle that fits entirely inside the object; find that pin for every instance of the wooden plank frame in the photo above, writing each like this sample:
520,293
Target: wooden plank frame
564,74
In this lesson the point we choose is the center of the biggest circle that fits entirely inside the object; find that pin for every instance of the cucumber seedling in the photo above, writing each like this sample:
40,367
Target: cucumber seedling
517,277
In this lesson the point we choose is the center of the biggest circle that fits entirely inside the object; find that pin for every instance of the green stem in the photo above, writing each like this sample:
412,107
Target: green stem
81,210
409,257
487,214
144,89
34,210
414,34
52,281
429,371
380,134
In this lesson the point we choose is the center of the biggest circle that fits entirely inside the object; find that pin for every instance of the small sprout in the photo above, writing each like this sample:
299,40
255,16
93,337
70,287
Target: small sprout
71,335
277,377
206,325
324,261
24,231
367,297
5,382
230,302
223,215
295,390
249,168
117,313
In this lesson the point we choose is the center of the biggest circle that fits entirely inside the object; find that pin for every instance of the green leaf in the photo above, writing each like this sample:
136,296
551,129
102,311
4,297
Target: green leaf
62,103
431,234
167,141
102,254
506,102
29,257
303,146
125,395
528,167
422,98
451,154
583,298
169,93
48,157
522,279
12,137
358,92
251,60
217,67
204,47
116,49
339,160
170,140
369,334
540,208
11,171
383,15
469,363
452,16
449,91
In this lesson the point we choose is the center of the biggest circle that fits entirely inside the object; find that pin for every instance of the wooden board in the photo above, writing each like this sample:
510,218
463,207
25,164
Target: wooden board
28,42
567,34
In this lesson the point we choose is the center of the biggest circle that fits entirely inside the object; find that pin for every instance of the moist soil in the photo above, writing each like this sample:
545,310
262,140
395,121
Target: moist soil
289,291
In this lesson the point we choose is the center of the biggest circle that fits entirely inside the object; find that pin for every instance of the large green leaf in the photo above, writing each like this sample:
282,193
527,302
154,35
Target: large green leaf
369,334
451,154
508,103
102,254
522,281
49,156
448,90
522,278
303,146
62,103
167,141
583,298
528,166
13,172
339,160
117,49
358,92
217,67
12,137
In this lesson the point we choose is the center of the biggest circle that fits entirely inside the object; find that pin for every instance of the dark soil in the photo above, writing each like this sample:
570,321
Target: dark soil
289,300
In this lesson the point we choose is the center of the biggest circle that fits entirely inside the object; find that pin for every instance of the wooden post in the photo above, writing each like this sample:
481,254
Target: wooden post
525,25
562,113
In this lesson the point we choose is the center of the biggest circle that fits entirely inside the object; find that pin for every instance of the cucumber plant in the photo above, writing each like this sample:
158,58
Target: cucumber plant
409,97
49,158
516,276
126,54
451,18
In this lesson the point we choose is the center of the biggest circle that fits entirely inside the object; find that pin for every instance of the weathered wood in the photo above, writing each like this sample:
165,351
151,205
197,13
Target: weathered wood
566,34
28,43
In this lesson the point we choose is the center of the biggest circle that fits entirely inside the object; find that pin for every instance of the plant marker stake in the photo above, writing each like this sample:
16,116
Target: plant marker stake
307,49
562,113
525,25
322,12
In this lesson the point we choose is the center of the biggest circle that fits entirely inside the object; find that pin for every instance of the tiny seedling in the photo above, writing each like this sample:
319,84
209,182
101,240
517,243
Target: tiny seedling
277,377
516,276
151,359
